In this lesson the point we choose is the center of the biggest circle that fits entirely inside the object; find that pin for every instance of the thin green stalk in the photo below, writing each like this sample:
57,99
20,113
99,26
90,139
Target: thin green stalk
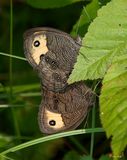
87,14
93,123
92,134
16,105
10,69
51,137
23,88
13,56
5,158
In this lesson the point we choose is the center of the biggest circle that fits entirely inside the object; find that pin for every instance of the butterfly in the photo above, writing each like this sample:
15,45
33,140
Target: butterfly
53,53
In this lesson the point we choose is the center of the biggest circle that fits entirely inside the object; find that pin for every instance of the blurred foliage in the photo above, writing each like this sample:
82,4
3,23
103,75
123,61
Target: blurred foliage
88,13
18,119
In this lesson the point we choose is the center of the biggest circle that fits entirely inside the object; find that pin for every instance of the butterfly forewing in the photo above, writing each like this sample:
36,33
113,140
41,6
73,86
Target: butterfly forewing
53,54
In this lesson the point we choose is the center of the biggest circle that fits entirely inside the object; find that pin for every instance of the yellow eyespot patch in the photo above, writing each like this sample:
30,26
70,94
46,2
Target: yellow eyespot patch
37,51
56,117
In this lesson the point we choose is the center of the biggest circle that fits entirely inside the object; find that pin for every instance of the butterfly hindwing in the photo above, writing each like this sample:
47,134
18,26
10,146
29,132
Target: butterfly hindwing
64,110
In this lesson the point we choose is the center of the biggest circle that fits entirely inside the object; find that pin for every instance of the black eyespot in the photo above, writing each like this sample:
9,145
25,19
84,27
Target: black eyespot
52,123
36,43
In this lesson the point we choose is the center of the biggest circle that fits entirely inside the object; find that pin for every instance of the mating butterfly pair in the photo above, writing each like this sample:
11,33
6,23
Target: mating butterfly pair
53,53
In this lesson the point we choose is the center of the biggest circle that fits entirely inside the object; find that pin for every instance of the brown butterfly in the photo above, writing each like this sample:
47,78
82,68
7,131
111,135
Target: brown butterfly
64,110
53,53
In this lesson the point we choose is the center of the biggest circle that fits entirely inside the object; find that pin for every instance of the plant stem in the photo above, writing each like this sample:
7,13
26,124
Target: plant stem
51,137
11,71
92,134
13,56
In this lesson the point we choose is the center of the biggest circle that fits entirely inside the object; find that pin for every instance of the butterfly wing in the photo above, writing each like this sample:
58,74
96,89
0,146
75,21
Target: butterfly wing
64,110
53,54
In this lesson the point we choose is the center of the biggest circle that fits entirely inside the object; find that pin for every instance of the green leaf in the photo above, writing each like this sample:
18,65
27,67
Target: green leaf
113,104
50,3
88,14
101,44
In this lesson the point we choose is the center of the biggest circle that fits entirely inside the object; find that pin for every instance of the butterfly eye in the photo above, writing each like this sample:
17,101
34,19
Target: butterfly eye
54,65
57,77
64,81
52,123
36,43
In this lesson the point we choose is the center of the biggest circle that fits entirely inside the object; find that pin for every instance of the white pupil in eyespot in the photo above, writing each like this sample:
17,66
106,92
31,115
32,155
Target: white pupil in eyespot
36,43
52,123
